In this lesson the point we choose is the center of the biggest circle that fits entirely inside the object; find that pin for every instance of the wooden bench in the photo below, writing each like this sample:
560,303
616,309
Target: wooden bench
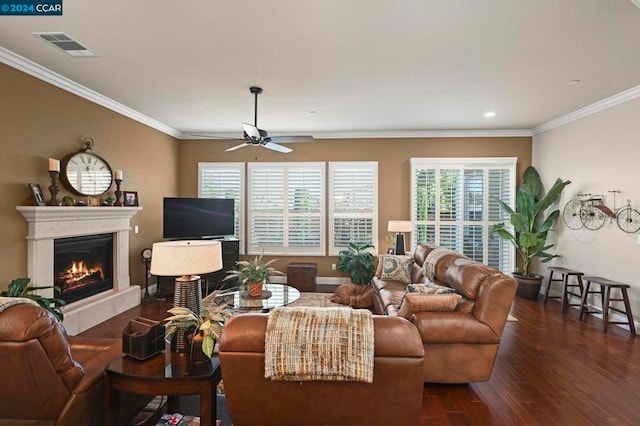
605,294
566,286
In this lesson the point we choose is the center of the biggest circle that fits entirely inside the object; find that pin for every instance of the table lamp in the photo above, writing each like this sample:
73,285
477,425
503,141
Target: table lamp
399,226
186,259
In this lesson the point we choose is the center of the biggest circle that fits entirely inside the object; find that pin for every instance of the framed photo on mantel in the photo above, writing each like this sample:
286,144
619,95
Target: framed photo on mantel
131,198
38,196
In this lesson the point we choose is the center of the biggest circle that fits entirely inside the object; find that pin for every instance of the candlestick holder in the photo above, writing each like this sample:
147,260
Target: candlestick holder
54,189
119,202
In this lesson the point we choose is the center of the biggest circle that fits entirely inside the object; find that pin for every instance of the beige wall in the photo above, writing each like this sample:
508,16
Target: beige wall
392,156
38,121
598,153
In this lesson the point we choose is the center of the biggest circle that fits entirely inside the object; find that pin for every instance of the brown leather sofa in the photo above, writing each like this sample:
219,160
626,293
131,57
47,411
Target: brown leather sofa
459,346
394,397
52,379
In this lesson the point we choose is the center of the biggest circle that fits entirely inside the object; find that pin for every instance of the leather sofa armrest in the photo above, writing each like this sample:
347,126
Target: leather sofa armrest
494,300
453,327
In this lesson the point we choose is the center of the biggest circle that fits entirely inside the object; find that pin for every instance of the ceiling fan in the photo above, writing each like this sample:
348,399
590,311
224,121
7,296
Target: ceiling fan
257,137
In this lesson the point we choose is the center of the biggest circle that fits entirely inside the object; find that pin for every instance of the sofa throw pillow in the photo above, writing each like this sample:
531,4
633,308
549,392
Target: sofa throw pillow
397,268
424,302
429,288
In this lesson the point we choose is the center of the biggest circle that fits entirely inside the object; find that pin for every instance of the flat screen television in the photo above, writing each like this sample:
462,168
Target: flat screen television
197,218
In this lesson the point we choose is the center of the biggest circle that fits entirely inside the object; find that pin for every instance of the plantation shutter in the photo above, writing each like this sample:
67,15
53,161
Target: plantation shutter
286,208
224,180
353,204
465,190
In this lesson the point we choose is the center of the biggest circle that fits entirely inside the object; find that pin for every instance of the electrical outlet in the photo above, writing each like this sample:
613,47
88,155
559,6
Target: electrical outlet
333,265
136,229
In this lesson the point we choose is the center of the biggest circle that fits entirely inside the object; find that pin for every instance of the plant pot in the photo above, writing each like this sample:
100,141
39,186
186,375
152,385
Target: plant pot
255,289
528,287
197,356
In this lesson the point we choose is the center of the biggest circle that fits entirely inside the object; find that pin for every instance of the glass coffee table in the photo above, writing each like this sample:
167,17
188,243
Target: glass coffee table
273,296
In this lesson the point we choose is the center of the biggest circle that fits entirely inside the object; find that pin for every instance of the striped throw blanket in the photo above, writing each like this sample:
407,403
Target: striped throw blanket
7,302
306,343
432,259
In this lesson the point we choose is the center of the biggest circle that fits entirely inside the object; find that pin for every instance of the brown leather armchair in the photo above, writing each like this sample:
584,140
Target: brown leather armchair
394,397
50,378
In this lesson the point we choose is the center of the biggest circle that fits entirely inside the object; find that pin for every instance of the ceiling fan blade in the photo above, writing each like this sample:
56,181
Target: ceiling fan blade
233,148
199,135
291,139
276,147
252,131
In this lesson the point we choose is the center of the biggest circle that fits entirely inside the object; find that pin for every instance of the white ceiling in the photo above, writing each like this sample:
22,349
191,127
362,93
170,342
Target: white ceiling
370,67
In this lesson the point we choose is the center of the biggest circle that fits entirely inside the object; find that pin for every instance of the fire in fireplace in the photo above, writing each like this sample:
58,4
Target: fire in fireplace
83,266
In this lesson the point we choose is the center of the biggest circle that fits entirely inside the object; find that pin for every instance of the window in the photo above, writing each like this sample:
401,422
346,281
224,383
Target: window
353,204
453,205
224,180
286,208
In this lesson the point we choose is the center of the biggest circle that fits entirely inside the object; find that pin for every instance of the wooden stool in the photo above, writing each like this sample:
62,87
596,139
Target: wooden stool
566,287
605,294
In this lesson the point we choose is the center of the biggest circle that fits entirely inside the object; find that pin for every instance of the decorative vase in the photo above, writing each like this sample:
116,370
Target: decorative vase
528,287
255,289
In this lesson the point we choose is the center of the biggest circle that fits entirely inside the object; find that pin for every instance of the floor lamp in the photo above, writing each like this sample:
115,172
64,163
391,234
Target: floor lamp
400,227
185,260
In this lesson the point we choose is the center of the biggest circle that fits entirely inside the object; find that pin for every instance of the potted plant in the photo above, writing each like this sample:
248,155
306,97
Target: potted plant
253,273
530,227
20,288
204,328
358,262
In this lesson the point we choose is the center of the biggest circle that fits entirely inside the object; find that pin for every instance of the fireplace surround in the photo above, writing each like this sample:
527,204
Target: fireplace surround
48,223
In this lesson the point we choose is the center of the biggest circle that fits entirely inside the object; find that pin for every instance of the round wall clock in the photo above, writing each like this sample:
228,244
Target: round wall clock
85,173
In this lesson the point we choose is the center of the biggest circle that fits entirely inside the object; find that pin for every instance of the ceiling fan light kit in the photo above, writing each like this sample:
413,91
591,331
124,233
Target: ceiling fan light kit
252,135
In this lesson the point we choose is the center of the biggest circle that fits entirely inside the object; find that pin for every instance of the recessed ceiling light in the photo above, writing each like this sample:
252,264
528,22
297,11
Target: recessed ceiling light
489,114
574,82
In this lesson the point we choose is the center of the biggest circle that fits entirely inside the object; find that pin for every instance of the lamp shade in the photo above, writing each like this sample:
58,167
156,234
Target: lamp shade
177,258
399,226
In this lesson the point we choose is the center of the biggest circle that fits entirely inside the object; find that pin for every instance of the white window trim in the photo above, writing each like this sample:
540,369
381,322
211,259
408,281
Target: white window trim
363,165
465,163
289,251
240,166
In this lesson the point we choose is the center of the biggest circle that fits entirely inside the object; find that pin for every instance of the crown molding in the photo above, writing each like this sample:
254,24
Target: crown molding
595,107
388,134
38,71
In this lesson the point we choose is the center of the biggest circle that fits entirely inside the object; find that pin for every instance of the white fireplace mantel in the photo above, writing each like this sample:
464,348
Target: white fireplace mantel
49,223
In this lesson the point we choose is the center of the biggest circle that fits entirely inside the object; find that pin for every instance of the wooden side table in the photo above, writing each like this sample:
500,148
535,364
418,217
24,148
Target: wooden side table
302,276
167,373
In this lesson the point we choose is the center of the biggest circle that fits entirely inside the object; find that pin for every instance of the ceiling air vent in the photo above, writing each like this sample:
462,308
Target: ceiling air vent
67,44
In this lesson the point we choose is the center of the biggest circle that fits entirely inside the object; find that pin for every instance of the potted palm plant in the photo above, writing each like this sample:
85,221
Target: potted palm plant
358,262
253,273
530,228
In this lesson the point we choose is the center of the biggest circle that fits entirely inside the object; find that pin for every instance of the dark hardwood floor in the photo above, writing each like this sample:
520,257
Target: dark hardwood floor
551,370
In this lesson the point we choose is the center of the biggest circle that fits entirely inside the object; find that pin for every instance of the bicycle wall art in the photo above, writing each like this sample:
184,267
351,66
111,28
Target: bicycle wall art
588,211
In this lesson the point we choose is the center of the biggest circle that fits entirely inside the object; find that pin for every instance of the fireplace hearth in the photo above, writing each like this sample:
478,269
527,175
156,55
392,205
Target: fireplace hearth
83,266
